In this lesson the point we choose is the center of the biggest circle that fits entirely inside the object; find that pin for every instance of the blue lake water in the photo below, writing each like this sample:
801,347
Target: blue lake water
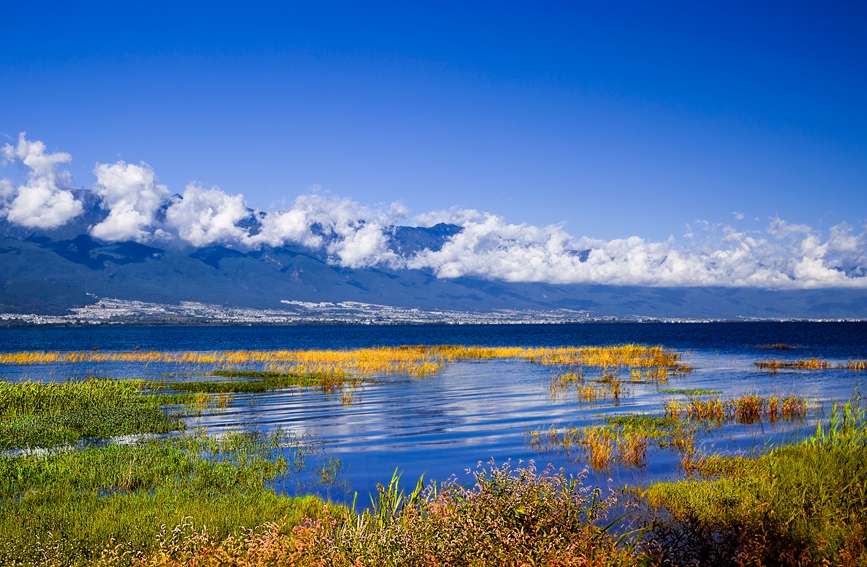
443,425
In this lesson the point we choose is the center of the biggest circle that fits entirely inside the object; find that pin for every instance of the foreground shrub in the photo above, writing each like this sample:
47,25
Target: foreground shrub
507,517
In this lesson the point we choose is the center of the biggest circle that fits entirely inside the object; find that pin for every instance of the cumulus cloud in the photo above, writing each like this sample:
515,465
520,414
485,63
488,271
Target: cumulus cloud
354,236
41,202
132,196
793,257
454,215
207,216
784,255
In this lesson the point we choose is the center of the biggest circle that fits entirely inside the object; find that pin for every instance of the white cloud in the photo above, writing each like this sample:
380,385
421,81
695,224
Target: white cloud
782,256
795,257
354,236
132,196
207,216
455,215
40,203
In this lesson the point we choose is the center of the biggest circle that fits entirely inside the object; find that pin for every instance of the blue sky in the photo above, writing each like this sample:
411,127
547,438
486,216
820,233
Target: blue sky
626,119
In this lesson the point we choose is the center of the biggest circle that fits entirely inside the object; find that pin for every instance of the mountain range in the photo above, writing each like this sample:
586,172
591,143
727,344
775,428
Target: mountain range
50,271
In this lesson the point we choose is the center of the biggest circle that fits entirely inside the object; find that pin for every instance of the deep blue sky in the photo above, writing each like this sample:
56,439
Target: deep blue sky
619,119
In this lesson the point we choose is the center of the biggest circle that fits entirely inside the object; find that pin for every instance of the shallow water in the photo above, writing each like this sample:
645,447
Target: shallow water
443,425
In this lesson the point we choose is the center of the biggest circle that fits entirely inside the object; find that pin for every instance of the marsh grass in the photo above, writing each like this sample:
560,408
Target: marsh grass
811,364
34,414
259,382
803,504
409,360
746,409
690,392
68,507
622,440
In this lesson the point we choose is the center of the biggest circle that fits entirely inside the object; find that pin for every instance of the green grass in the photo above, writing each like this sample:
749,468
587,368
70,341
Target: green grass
800,504
36,414
67,507
261,382
688,392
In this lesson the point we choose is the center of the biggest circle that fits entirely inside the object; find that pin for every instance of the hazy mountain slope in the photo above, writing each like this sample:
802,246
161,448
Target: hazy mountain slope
47,273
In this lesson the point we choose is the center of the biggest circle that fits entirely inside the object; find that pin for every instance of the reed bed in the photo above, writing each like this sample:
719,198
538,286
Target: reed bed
800,364
623,440
746,409
811,364
411,360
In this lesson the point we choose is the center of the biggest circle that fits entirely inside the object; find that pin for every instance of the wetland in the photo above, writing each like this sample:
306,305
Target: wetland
480,445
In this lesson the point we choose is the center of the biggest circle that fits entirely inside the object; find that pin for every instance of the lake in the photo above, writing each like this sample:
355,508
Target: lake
473,412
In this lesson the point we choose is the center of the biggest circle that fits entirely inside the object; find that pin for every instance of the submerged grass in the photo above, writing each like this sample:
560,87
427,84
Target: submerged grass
811,364
690,392
36,414
260,382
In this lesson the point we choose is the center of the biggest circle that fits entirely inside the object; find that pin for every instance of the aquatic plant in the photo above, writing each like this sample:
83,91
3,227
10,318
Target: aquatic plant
411,360
689,392
622,440
811,364
749,408
34,414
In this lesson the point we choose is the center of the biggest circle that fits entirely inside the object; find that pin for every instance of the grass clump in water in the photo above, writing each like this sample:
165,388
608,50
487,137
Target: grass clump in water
623,440
747,409
36,414
804,504
690,392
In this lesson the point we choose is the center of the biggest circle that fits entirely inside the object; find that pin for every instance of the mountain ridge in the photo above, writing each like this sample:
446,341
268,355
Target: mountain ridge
50,272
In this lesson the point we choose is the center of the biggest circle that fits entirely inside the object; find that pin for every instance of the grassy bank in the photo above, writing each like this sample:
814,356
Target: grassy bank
804,504
73,507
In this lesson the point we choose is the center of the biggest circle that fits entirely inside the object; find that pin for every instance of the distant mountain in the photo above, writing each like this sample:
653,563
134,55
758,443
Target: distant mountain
48,272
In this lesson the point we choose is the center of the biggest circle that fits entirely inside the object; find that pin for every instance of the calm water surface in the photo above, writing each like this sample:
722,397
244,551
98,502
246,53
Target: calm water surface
476,411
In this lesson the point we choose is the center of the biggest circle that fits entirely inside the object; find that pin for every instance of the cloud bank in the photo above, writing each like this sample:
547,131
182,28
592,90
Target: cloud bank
781,256
41,202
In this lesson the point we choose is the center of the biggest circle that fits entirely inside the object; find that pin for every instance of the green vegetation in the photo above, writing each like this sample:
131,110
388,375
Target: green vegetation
191,499
506,517
59,413
69,507
796,505
261,382
688,392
